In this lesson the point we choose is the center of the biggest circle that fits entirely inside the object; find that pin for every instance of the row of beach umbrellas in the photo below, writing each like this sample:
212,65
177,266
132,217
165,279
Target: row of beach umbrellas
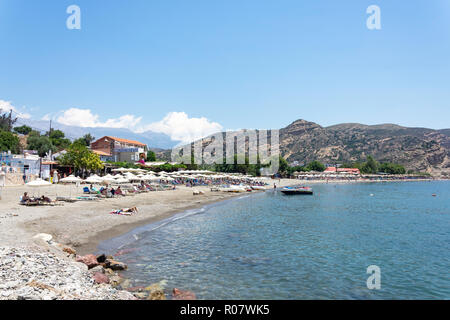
127,176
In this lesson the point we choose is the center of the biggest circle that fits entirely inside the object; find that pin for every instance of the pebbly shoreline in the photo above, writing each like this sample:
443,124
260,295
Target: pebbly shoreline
31,273
48,270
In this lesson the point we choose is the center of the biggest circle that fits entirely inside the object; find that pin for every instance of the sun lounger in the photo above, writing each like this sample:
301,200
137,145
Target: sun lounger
40,204
66,199
88,198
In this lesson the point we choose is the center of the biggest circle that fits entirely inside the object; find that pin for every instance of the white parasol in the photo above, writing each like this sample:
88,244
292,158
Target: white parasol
38,183
71,179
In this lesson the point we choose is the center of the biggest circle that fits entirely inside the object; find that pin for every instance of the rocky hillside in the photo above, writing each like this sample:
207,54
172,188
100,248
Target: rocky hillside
418,149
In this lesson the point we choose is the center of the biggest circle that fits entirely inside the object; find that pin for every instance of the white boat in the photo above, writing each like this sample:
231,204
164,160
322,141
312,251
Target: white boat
235,189
258,188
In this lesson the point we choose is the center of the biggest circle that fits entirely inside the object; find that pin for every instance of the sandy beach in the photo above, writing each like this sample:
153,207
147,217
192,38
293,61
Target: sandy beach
83,224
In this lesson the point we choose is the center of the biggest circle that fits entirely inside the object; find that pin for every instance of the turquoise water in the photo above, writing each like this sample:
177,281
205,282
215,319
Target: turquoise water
272,246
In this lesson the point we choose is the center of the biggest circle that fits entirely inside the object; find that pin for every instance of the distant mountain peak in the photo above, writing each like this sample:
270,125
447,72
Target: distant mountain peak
301,126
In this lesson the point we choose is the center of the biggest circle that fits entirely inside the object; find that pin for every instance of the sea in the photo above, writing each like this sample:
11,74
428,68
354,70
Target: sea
383,240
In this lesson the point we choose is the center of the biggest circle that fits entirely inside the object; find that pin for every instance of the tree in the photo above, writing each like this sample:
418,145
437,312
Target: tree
42,144
392,168
151,155
59,140
79,156
283,165
23,129
6,121
9,142
315,166
86,139
370,166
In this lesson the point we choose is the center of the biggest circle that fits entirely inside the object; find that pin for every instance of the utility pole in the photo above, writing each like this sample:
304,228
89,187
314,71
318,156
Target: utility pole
50,130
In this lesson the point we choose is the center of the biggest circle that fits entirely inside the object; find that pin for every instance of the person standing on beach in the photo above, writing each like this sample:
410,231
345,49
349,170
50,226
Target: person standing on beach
55,177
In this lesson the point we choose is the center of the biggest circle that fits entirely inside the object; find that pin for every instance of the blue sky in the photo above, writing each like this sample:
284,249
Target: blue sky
237,64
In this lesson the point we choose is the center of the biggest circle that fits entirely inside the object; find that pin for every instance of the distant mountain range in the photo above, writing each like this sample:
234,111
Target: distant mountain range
418,149
154,140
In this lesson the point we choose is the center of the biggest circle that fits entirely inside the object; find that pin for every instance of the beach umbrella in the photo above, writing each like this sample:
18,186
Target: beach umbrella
122,180
108,179
71,179
136,178
38,183
93,179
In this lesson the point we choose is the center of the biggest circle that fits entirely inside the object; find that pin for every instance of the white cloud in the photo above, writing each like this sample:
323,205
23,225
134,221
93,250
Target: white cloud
6,106
180,127
85,118
177,125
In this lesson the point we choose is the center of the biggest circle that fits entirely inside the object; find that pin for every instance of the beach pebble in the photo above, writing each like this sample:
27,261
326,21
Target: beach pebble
44,236
101,258
155,292
178,294
90,260
97,269
115,265
34,274
99,278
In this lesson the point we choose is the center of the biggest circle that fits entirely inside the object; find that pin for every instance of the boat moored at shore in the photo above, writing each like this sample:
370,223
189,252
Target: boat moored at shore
297,190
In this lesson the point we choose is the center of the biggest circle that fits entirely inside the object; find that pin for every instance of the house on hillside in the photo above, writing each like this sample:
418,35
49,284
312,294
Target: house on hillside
119,150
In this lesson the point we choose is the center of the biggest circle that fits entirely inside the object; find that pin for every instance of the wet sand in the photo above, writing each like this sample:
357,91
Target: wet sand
83,224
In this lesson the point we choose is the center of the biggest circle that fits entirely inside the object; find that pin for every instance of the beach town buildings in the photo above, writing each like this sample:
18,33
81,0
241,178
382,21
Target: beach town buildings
19,167
119,150
342,170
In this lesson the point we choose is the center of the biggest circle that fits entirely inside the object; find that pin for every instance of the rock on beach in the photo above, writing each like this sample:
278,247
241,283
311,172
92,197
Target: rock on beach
90,260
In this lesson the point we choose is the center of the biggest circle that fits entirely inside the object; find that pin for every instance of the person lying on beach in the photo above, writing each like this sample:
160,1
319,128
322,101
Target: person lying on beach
45,199
125,211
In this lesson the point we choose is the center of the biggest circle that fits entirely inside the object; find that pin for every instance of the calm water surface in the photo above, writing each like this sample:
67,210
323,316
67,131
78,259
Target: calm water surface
272,246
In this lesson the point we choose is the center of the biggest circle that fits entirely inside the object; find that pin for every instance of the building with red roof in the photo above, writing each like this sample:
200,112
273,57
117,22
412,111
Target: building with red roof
118,149
342,170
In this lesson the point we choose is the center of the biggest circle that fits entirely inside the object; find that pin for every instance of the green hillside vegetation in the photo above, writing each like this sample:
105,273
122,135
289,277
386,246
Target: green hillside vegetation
371,166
